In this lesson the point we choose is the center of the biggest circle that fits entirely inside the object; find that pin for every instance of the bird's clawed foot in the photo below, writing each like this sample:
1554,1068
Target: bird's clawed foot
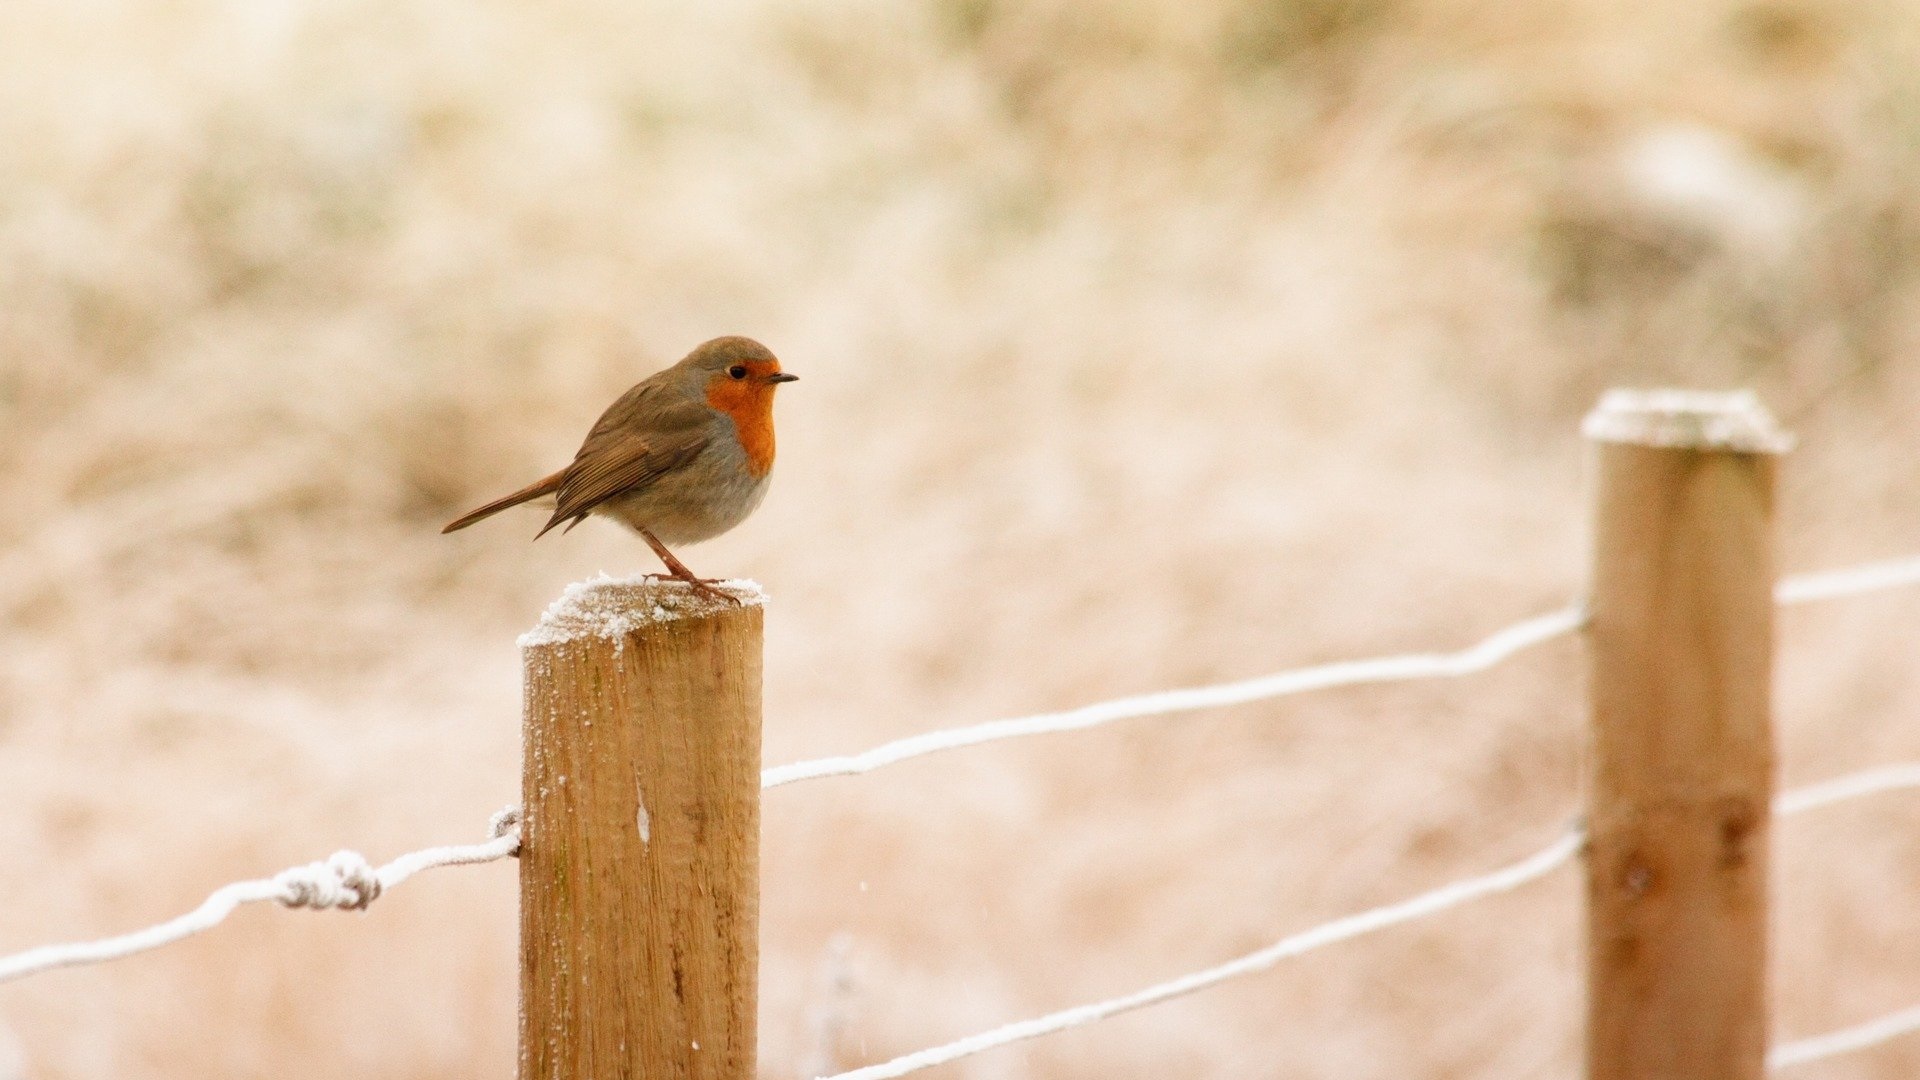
701,587
678,571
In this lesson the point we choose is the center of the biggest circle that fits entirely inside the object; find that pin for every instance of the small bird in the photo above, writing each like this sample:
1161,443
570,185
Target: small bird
680,458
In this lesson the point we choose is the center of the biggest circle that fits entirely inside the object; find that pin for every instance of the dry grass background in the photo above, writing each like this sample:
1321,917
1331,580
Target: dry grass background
1143,343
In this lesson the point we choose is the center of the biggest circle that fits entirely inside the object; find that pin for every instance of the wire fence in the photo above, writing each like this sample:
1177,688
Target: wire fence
1507,878
1432,902
347,881
1491,650
1496,647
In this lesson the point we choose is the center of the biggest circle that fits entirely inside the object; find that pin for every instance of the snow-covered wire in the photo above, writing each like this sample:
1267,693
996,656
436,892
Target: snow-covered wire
1798,589
1432,902
1851,786
1886,1028
1849,581
345,881
1845,1040
1488,652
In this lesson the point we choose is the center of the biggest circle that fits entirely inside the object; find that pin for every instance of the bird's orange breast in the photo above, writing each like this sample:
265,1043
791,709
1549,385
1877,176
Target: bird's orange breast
750,406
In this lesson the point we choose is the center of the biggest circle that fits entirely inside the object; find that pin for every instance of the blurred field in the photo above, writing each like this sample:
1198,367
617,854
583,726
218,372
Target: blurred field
1142,344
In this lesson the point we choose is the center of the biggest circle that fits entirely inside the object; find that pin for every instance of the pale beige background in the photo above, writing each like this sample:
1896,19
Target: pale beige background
1143,344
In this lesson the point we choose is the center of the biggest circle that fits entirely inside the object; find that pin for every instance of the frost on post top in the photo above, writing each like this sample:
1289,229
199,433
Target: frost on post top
610,607
1699,419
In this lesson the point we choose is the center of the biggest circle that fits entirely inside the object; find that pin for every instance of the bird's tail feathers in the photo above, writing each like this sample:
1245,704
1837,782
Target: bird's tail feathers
532,491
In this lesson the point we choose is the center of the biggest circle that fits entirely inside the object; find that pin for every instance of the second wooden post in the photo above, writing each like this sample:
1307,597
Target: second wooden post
639,860
1682,746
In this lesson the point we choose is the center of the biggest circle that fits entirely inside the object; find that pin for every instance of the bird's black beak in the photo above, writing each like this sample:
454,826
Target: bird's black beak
781,376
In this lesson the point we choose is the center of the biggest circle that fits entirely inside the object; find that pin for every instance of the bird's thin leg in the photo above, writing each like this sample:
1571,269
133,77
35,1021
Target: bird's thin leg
679,570
674,566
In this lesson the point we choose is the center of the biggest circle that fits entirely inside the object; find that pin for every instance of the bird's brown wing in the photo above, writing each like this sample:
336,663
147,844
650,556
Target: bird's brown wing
640,438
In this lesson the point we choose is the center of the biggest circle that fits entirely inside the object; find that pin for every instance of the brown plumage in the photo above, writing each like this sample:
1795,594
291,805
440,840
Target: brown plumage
682,457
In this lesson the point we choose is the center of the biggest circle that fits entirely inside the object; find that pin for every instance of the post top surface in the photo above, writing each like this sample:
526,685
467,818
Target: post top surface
1693,419
610,607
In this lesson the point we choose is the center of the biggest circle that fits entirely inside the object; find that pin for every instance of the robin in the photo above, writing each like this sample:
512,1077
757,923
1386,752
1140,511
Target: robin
680,458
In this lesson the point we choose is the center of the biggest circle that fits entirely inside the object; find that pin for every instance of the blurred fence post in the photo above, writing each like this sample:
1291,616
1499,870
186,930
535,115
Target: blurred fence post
1680,795
639,861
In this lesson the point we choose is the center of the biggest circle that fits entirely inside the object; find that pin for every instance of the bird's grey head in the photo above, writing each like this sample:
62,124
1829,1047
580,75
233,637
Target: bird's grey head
736,359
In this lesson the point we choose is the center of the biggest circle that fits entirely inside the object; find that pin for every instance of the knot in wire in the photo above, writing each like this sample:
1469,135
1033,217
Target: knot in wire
345,881
504,822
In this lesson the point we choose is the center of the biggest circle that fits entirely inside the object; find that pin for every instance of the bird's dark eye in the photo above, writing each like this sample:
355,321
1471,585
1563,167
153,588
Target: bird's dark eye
737,371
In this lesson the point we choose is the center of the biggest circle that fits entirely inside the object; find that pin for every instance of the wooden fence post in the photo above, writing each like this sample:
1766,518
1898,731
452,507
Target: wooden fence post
639,861
1680,795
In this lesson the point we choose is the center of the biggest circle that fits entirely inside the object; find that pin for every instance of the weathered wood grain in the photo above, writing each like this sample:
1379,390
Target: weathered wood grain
640,857
1681,783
